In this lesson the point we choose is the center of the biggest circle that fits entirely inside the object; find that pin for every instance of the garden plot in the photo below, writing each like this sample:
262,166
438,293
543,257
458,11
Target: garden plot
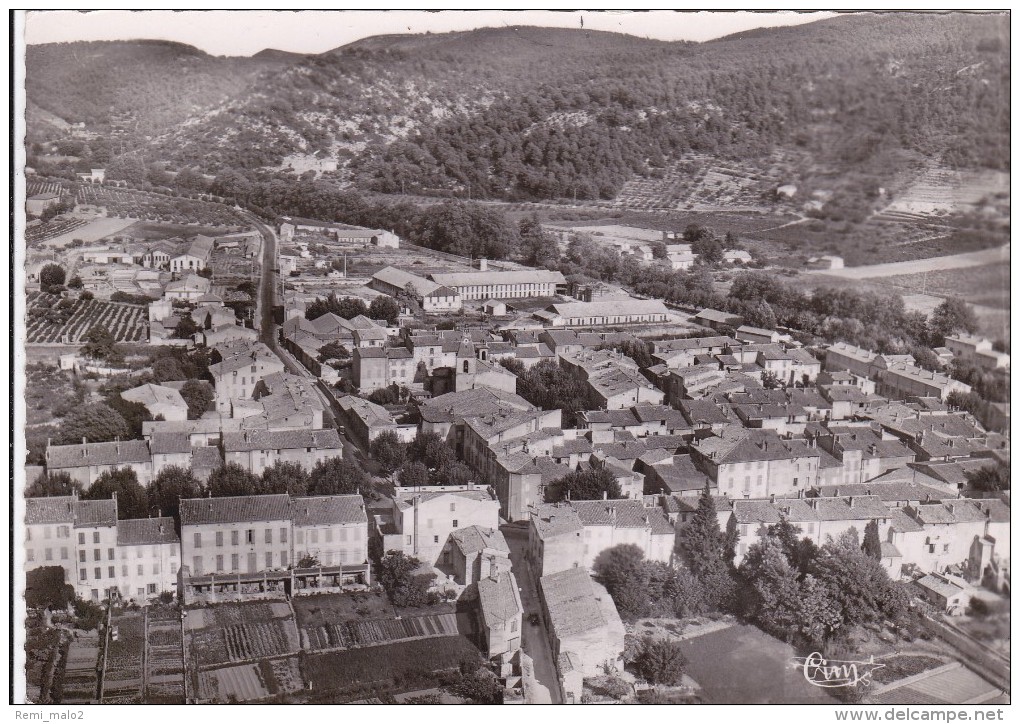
232,633
81,676
164,658
341,676
251,682
48,322
358,634
123,678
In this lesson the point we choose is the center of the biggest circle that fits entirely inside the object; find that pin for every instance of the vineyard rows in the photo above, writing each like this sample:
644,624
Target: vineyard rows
34,188
126,322
52,229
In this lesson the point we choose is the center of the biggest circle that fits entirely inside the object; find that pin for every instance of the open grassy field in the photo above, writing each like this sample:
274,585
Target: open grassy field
743,665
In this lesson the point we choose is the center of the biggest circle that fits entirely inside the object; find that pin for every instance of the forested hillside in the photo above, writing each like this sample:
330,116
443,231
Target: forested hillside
142,86
533,113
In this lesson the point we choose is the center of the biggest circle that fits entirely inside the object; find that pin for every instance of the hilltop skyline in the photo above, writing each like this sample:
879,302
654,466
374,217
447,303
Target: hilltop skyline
320,31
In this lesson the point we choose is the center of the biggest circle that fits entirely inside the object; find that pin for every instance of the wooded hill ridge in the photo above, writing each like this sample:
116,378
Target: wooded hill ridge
535,113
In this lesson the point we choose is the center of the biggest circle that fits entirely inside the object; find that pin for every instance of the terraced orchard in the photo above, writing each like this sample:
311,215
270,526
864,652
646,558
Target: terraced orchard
51,320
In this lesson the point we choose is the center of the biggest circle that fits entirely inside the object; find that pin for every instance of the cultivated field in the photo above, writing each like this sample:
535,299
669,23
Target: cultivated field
164,656
356,620
250,682
987,285
123,678
233,632
49,323
999,255
93,229
341,676
132,204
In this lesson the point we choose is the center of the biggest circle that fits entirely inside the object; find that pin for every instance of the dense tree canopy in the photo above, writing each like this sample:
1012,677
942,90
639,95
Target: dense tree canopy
94,422
170,485
590,484
132,498
338,476
231,479
53,484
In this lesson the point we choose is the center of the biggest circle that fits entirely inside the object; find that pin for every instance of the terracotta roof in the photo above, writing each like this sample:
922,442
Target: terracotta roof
622,514
205,458
40,511
556,519
163,443
570,600
146,531
97,453
95,513
328,510
237,509
281,440
474,539
499,599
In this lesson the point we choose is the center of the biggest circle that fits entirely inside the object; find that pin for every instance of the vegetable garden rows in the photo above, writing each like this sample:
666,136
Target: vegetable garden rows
46,324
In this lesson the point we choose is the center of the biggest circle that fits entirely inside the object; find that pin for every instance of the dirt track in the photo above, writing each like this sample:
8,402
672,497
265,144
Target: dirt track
919,266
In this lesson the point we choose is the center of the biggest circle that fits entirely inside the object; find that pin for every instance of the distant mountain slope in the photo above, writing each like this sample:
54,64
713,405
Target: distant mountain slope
144,85
524,113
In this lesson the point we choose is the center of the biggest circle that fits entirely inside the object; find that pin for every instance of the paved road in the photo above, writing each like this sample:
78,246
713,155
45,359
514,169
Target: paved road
919,266
542,688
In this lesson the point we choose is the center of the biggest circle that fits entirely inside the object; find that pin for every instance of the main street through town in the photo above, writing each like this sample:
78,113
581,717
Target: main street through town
269,330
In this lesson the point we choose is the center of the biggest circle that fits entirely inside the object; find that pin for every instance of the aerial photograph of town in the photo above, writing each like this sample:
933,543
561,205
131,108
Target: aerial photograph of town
512,358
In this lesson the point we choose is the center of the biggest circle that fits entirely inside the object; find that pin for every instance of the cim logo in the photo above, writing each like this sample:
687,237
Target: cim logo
833,673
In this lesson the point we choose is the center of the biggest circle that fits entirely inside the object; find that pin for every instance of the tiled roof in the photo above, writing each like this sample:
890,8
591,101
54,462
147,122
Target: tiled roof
205,458
146,531
556,519
95,513
328,510
753,445
499,599
679,474
404,499
40,511
163,443
474,539
97,453
896,491
903,523
938,584
769,512
281,440
154,395
236,509
486,278
570,600
622,514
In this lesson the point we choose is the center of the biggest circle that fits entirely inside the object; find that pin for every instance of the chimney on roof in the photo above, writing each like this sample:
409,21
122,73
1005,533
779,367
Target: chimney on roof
772,497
